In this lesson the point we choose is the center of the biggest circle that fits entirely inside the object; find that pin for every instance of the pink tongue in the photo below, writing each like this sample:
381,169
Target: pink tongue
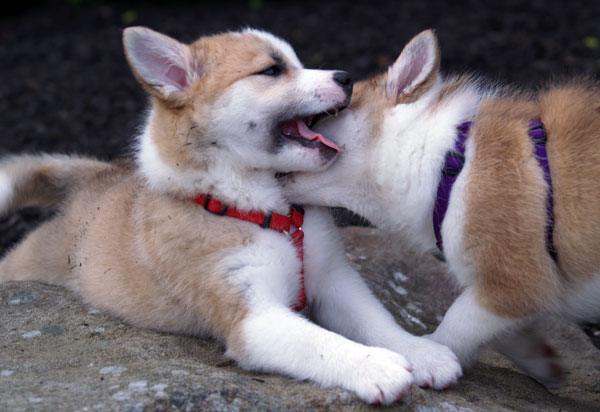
297,127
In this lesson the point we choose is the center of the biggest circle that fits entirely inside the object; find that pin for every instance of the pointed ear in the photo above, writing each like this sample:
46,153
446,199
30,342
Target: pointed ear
164,66
415,70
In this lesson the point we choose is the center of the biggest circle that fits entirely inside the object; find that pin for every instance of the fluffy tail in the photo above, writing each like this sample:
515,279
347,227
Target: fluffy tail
42,180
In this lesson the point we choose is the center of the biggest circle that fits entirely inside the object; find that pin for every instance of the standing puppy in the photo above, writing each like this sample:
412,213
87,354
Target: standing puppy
465,169
197,237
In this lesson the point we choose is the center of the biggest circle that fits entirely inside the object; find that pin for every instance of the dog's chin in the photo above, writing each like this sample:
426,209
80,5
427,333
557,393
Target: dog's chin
326,153
303,156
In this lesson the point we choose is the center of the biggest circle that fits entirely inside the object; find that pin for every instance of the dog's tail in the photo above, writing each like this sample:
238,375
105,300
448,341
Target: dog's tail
42,180
46,181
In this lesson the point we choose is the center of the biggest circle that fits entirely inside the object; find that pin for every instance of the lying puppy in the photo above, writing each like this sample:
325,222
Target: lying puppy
465,169
197,237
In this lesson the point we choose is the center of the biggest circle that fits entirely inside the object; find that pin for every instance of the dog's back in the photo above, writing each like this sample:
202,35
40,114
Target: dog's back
127,249
505,208
571,114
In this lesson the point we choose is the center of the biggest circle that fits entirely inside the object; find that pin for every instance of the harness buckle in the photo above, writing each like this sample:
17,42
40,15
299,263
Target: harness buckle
267,221
453,164
220,213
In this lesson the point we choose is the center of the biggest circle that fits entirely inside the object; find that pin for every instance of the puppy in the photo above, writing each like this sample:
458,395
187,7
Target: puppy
505,185
196,237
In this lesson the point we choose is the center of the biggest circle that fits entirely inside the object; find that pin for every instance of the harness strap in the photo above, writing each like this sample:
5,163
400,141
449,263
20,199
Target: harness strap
454,162
274,221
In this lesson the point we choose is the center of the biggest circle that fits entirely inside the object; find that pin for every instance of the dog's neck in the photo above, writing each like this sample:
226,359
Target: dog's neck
229,181
415,139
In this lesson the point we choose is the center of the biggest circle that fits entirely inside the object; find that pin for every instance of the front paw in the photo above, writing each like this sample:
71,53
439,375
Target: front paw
380,376
434,365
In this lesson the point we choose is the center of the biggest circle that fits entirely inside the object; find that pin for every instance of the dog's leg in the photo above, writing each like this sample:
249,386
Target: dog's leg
274,339
530,352
43,256
341,301
467,326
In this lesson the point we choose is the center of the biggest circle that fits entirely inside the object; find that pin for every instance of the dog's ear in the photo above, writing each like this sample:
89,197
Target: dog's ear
164,66
415,70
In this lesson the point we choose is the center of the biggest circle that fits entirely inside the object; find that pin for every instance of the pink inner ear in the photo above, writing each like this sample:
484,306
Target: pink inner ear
162,68
176,76
417,60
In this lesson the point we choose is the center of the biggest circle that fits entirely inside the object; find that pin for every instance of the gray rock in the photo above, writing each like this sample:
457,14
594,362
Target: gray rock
60,354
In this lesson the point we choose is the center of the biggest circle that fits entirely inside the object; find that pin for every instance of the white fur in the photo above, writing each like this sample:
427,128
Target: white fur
318,83
278,44
342,302
417,140
583,302
267,269
467,326
227,179
459,260
279,340
6,192
302,349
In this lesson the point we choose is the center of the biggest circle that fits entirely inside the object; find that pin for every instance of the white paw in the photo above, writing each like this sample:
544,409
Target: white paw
380,376
434,365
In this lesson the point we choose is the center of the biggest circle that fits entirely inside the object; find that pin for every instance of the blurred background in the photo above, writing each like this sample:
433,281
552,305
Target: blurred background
65,86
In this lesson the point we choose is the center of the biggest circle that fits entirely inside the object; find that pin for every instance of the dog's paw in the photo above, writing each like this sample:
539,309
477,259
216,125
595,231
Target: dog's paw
536,358
528,350
381,376
434,365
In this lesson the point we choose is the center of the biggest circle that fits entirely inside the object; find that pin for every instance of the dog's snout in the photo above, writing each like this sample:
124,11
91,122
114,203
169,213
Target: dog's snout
344,80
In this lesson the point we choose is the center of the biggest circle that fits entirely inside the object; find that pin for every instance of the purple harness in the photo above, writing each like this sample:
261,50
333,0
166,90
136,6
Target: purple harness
454,162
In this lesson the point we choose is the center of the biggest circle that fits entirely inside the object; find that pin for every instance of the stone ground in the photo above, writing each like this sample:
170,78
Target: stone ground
57,353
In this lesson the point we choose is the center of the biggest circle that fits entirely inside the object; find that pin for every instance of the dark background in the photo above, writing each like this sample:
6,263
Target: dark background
65,86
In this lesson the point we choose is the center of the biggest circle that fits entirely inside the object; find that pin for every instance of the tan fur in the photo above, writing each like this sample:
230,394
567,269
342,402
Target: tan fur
571,115
506,212
370,97
152,260
225,58
506,192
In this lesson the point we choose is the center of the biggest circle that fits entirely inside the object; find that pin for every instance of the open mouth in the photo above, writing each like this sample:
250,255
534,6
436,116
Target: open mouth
299,130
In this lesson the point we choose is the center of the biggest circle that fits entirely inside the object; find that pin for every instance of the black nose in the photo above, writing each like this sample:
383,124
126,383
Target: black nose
344,80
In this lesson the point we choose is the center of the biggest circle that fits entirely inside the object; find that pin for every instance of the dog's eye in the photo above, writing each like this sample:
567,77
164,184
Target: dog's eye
272,71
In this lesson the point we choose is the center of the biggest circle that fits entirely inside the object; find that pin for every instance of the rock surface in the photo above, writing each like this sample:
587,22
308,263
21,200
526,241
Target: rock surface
57,353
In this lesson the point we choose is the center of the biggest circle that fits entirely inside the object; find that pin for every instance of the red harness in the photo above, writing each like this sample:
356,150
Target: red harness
273,221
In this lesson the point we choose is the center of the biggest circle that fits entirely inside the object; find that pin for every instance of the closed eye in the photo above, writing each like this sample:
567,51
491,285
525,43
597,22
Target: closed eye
273,71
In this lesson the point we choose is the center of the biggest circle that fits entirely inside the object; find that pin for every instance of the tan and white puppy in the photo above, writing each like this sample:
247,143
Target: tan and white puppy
227,115
394,137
